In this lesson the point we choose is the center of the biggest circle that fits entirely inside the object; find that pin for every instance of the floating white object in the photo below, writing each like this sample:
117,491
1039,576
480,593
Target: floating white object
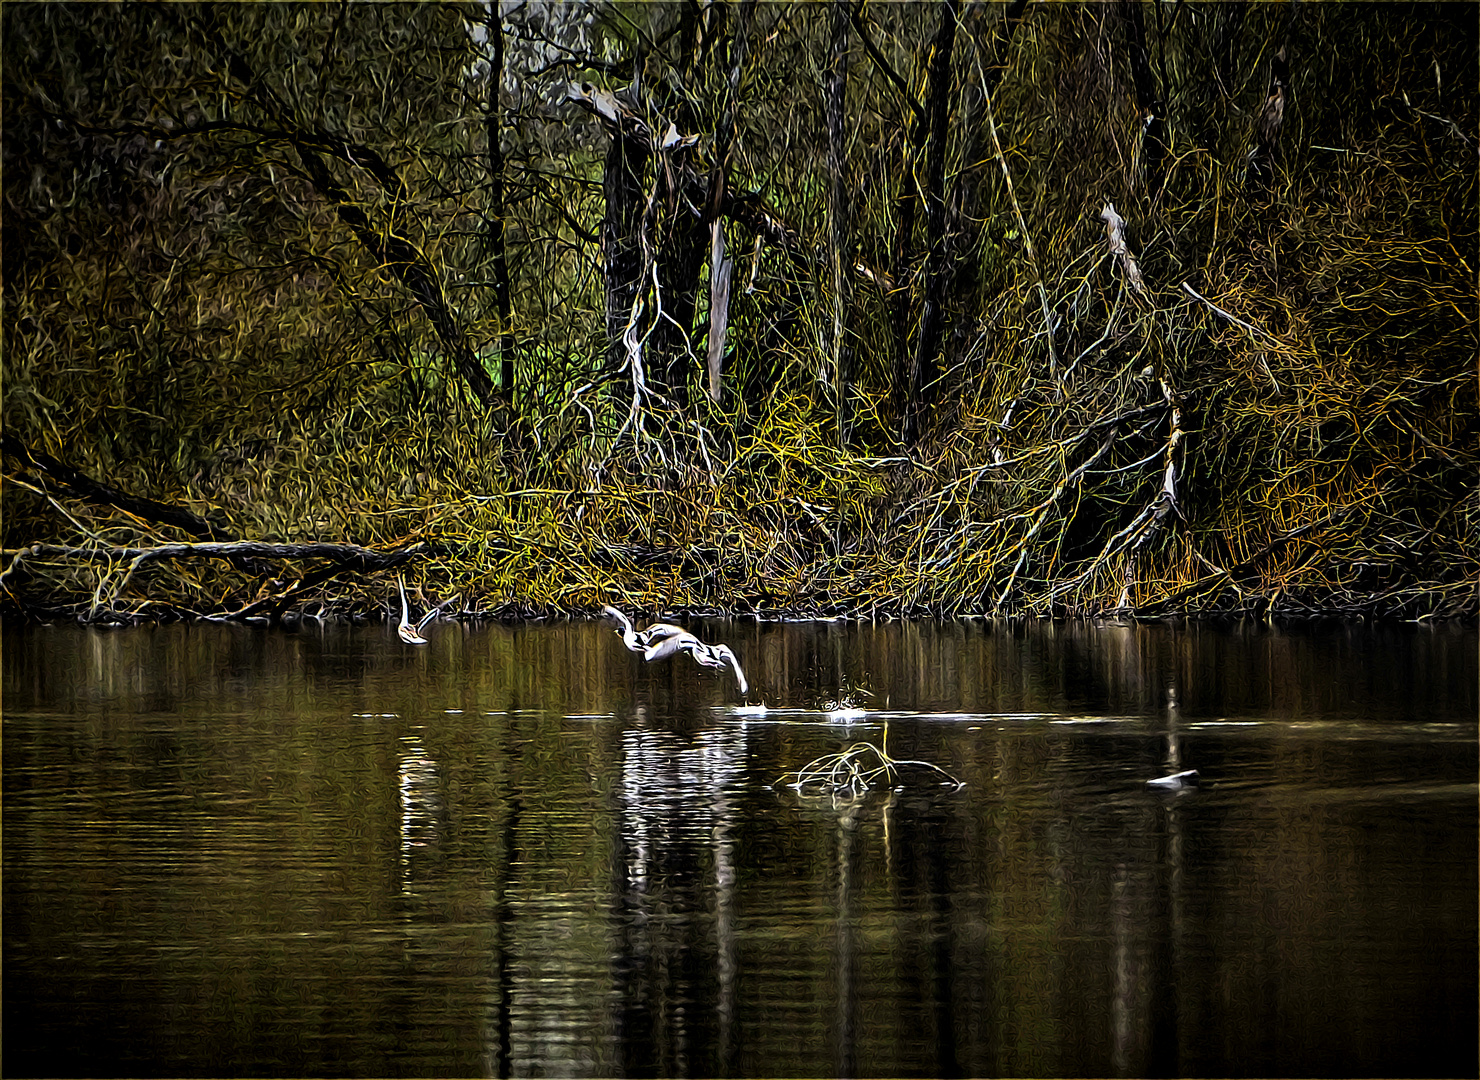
1175,782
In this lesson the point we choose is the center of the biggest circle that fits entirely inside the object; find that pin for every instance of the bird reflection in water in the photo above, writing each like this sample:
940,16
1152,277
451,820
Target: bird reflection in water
677,931
421,805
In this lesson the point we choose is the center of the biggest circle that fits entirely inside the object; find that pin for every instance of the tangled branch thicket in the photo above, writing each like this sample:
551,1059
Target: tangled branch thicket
1206,283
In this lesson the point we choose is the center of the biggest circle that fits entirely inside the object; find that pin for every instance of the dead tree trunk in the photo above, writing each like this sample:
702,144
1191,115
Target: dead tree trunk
89,490
401,257
621,235
652,242
721,272
390,251
721,268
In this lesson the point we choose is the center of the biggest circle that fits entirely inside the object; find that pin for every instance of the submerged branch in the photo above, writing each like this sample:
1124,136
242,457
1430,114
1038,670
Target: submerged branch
859,768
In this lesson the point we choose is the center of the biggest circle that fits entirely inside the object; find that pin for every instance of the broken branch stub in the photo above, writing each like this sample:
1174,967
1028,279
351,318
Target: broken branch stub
1115,237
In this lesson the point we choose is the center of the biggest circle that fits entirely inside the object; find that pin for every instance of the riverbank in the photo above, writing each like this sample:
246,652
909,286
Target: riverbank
1218,365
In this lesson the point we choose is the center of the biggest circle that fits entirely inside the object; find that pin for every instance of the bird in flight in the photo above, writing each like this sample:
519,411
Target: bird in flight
639,641
662,640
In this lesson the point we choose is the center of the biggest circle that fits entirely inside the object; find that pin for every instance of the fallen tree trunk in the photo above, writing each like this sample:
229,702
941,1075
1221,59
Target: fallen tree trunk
343,558
352,556
89,490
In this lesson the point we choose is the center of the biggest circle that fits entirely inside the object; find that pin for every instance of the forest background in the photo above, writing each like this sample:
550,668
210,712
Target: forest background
846,308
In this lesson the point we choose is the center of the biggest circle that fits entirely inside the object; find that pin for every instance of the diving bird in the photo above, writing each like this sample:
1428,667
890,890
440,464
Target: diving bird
711,656
639,641
411,635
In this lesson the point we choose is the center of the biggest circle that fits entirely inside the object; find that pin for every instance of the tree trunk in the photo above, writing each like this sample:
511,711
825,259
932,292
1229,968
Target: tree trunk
1151,146
497,211
1265,155
964,210
679,250
924,370
835,108
402,259
621,240
913,374
721,269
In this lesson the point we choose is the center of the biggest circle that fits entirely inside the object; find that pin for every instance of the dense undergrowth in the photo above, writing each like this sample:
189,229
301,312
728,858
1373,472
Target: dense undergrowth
1257,396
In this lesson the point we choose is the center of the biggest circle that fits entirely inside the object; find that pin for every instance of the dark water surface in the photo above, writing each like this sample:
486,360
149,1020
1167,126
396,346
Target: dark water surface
521,851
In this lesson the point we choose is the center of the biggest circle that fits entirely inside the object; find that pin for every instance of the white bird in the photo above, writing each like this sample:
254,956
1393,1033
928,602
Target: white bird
639,640
712,656
411,635
662,640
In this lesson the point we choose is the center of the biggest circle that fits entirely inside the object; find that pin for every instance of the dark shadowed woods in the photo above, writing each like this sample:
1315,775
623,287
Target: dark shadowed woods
849,307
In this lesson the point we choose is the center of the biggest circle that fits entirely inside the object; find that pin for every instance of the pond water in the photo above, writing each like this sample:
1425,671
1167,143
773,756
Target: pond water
522,851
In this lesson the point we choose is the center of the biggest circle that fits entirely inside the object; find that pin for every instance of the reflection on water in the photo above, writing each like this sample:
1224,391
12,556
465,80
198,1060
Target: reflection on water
522,851
421,806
